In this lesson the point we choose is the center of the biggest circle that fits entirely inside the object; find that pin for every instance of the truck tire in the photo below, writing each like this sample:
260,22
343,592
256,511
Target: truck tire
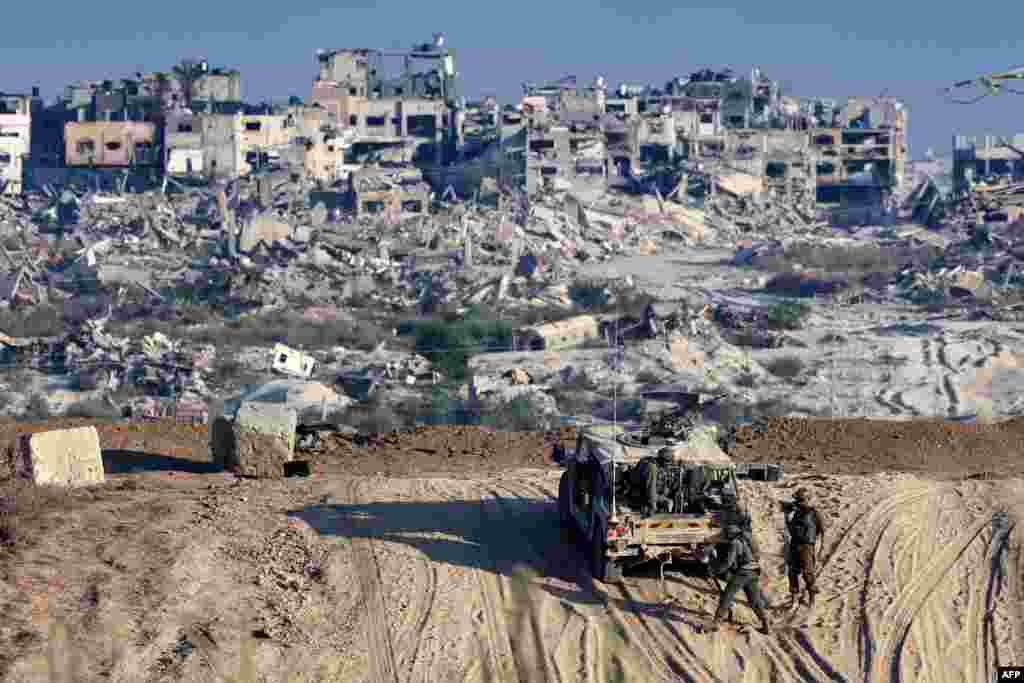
603,569
565,501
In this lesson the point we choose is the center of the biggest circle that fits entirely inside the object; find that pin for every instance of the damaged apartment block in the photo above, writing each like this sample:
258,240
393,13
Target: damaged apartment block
15,138
391,192
839,160
412,118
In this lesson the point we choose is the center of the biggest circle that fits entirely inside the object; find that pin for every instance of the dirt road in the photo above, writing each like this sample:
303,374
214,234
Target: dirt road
467,577
910,568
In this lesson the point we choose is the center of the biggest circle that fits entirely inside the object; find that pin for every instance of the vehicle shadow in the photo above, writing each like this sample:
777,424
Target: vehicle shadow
116,461
501,538
471,534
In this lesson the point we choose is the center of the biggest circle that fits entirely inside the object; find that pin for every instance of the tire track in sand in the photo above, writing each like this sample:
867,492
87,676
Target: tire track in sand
413,629
866,528
497,662
982,620
606,594
380,649
909,602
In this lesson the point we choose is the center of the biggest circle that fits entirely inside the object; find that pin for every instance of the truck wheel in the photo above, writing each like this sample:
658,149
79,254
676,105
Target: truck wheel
564,501
604,569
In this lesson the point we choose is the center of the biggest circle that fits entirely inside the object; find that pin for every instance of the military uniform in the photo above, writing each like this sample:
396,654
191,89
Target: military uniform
740,563
806,528
653,477
734,514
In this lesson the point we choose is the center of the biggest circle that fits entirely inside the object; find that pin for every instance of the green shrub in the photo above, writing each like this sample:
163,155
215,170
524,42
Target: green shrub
449,344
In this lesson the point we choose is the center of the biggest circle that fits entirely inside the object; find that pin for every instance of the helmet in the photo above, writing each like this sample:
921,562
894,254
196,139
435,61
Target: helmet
666,455
732,531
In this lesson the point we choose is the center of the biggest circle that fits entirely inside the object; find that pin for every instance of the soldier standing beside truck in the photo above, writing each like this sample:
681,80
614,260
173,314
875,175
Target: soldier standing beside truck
734,513
806,529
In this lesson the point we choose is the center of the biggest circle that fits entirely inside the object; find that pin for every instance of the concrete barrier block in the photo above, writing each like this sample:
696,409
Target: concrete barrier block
268,418
64,457
258,442
260,455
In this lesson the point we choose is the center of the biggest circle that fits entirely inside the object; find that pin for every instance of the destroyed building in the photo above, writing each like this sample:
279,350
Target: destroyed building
841,160
987,157
390,191
112,143
414,116
15,138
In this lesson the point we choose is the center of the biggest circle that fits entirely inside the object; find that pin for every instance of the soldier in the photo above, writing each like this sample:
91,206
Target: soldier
651,476
741,565
806,528
734,513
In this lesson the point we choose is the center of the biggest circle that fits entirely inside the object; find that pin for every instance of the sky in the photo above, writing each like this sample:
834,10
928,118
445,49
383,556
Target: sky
909,49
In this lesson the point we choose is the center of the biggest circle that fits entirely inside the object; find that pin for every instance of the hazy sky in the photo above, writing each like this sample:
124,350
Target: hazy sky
909,49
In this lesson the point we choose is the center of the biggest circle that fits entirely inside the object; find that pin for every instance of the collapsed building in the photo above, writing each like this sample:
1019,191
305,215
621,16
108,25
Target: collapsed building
414,116
389,191
710,130
839,159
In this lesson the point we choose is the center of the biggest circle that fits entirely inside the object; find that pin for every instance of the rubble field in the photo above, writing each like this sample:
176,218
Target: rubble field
436,554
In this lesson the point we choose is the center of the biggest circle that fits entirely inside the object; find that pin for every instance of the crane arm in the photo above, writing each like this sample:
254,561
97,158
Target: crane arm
992,84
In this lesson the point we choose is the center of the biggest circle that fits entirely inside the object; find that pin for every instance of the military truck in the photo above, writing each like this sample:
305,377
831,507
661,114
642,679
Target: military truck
598,496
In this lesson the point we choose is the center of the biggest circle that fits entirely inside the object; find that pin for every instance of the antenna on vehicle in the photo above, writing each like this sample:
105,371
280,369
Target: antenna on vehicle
614,344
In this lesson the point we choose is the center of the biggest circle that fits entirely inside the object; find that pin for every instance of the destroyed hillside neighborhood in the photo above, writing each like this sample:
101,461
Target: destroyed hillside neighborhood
392,381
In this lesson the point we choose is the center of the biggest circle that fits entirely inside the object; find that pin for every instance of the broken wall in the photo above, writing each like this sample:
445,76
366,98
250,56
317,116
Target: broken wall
12,153
548,156
349,68
219,87
328,95
112,143
222,145
264,132
324,159
183,141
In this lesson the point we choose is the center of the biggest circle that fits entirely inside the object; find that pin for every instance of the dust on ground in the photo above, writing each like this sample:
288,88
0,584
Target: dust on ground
462,573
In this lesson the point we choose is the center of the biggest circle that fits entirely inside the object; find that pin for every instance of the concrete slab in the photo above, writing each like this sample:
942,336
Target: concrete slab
65,457
257,442
266,228
268,418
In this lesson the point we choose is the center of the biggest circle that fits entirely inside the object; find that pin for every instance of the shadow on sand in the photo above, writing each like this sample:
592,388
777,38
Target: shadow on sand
123,462
501,537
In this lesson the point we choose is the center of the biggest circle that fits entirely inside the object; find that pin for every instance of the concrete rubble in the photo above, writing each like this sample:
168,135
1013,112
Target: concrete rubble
257,442
384,196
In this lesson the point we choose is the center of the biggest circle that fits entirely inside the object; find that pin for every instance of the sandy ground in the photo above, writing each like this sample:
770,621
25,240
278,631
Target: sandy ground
177,573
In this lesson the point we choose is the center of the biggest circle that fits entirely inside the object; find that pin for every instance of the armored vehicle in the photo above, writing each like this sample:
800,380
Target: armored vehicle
601,496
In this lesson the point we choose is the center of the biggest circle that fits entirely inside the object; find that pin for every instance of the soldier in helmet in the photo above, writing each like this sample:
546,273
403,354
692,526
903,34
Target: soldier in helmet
806,529
740,565
734,513
653,477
